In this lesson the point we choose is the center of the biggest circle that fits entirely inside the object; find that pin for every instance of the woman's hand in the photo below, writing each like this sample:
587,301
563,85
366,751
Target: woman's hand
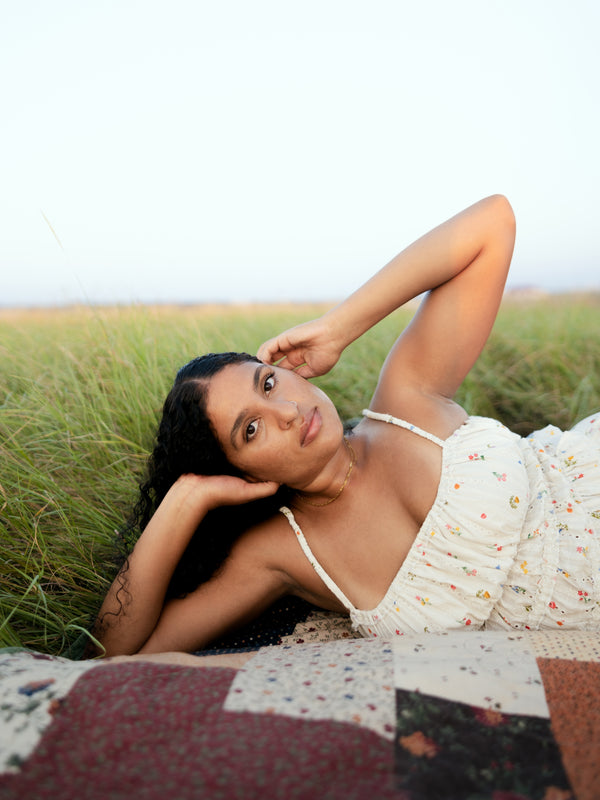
310,349
211,491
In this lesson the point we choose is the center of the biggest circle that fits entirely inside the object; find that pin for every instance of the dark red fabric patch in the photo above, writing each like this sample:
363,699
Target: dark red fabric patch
160,731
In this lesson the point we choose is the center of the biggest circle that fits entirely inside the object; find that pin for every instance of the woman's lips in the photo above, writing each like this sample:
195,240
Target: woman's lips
311,427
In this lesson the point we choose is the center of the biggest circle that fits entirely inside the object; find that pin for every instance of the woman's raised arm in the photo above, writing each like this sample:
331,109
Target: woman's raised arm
462,263
134,607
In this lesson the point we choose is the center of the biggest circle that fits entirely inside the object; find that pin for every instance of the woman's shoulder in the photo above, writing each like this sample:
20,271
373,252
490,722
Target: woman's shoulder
437,415
271,549
266,543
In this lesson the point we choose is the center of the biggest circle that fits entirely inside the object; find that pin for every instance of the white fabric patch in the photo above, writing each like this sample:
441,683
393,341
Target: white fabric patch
490,669
346,681
31,685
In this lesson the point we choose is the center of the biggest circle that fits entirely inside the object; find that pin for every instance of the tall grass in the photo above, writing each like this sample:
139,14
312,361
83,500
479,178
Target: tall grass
81,389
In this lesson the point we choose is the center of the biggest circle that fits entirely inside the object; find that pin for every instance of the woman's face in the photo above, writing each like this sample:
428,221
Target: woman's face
273,424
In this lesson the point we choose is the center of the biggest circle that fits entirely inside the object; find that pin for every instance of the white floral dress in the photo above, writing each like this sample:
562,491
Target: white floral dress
511,541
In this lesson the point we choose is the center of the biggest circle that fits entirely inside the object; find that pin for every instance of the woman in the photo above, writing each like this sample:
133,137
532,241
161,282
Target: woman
429,518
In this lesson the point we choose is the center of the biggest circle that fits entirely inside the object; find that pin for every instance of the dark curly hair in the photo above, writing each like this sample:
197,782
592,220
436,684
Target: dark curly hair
186,443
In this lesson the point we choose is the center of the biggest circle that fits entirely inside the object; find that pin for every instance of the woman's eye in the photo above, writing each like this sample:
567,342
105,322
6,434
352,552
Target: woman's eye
251,430
269,384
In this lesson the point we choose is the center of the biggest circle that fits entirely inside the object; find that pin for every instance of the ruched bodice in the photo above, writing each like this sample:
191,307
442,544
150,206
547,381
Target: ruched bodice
511,541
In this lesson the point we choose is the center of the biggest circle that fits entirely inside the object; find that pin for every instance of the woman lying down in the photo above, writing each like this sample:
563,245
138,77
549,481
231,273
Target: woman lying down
422,518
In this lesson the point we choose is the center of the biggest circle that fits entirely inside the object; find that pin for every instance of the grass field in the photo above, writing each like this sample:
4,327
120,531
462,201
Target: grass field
80,391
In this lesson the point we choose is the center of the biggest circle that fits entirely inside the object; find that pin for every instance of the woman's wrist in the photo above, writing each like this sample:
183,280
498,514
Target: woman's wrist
185,504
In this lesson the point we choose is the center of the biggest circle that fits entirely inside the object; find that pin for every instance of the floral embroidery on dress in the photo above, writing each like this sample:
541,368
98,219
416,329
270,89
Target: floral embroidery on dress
454,531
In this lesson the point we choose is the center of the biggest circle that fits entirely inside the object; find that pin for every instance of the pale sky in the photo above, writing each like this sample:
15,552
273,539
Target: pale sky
199,151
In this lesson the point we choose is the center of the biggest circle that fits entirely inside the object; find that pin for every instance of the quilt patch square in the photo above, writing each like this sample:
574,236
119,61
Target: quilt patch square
446,750
32,686
346,681
493,670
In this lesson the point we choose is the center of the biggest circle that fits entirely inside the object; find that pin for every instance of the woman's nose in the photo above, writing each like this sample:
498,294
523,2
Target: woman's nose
287,411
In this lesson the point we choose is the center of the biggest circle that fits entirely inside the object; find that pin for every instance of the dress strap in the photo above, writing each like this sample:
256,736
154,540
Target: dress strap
402,424
333,587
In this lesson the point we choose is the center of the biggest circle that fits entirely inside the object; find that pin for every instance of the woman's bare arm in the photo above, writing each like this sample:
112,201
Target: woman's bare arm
444,339
462,263
246,585
135,603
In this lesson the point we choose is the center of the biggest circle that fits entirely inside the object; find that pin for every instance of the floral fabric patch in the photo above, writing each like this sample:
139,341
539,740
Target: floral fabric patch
569,645
321,626
447,750
346,681
32,687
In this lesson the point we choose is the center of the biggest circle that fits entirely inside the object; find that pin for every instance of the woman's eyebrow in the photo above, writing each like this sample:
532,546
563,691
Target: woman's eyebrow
244,413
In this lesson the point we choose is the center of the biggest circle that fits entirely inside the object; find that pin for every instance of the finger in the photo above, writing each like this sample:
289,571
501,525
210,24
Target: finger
267,350
269,487
278,347
293,362
272,350
306,371
264,489
285,363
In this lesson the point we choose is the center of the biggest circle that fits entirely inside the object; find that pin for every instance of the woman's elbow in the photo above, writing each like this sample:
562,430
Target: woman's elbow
503,214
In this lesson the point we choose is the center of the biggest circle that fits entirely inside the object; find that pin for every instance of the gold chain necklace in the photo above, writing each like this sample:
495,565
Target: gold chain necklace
344,484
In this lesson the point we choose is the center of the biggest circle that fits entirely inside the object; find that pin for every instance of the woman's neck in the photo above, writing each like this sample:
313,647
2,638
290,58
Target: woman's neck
335,483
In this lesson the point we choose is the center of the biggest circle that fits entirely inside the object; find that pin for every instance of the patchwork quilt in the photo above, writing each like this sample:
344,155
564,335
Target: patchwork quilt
460,715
